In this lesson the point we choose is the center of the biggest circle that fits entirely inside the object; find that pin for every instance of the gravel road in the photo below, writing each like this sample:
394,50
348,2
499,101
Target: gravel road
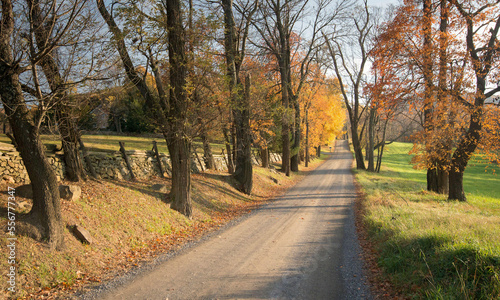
303,245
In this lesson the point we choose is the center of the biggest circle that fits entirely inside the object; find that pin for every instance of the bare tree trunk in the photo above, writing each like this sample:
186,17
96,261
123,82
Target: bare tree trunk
240,98
234,142
45,215
158,160
87,158
264,157
295,159
379,157
371,140
118,124
180,195
356,145
170,113
230,164
179,144
69,135
243,172
208,157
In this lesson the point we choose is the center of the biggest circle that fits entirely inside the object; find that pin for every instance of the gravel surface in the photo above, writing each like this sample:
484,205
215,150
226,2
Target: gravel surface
303,245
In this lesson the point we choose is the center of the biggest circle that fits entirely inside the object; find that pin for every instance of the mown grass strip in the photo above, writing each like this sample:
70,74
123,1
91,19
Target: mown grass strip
430,247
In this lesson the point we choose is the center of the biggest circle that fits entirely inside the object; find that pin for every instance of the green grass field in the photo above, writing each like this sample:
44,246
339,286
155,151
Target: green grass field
109,143
430,247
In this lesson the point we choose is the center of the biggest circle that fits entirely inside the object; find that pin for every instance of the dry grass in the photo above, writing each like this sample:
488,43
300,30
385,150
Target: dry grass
130,224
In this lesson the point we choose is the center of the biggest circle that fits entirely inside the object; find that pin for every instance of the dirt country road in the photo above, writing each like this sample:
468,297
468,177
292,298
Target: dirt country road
303,245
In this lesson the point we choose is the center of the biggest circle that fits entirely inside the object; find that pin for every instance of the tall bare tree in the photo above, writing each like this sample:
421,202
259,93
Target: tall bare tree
348,44
44,220
278,23
235,40
167,110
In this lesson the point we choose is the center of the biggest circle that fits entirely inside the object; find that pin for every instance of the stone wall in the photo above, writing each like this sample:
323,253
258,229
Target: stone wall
110,165
12,167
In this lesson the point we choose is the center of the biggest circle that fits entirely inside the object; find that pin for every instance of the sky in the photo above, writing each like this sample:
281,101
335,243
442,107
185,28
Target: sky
382,3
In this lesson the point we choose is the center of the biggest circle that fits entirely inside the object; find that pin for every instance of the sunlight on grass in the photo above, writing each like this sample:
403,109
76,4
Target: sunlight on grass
109,143
431,247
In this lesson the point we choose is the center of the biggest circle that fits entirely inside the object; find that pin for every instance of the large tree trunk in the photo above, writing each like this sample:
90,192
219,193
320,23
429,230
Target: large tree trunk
240,98
243,172
45,215
169,113
69,136
358,150
285,127
264,157
284,62
432,179
180,156
463,153
295,159
456,191
178,142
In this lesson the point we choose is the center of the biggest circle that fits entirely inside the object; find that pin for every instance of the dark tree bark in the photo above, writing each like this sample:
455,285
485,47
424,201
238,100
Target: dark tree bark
158,160
45,215
371,140
208,157
68,130
243,172
227,142
240,99
264,157
179,144
87,158
356,145
118,123
168,112
284,67
295,159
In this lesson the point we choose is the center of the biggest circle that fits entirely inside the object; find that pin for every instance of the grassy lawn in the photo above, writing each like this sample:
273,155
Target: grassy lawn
109,143
430,247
